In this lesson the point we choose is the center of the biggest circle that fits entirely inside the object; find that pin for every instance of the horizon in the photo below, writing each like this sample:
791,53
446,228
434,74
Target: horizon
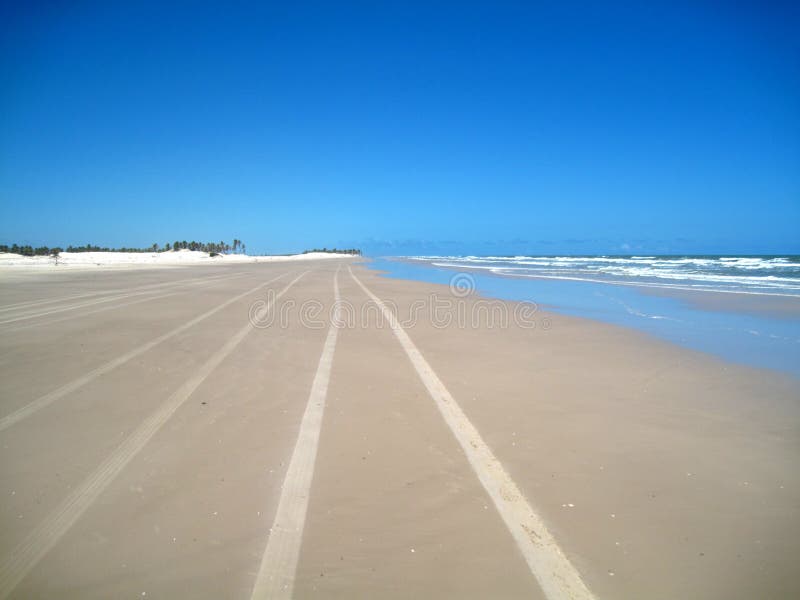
669,129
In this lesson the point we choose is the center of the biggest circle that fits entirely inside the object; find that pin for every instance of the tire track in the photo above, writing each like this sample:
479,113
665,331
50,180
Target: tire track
556,575
46,535
32,303
133,292
113,307
275,578
43,401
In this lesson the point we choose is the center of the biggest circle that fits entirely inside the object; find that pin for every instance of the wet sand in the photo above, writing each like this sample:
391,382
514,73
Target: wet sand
777,306
660,472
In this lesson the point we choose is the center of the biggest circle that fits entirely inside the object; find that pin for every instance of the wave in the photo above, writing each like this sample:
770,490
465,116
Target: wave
723,273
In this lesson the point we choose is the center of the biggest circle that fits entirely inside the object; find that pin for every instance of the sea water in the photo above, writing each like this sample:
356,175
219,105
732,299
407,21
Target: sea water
614,289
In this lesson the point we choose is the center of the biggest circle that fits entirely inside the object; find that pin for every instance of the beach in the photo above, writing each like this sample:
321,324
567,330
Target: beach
137,260
268,429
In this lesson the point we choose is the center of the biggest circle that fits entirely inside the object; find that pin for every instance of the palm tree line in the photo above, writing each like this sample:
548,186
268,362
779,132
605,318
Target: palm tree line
354,251
213,248
238,246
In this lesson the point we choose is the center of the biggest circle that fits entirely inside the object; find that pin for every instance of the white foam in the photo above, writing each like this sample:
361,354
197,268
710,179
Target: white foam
739,274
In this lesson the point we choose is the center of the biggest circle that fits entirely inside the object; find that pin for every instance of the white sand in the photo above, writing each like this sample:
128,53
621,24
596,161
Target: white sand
139,259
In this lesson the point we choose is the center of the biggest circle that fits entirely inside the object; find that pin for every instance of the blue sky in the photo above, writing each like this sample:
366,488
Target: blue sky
403,128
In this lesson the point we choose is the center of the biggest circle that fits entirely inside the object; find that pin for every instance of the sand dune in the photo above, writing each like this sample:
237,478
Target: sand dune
149,259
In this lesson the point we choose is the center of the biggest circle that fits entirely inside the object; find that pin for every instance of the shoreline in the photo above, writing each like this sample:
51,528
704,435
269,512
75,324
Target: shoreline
553,313
742,329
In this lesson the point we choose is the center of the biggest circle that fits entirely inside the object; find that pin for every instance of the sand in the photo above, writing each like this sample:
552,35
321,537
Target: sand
775,306
118,260
659,471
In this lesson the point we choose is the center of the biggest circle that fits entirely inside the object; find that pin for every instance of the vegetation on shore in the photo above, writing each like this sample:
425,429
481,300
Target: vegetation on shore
354,251
210,247
213,248
29,250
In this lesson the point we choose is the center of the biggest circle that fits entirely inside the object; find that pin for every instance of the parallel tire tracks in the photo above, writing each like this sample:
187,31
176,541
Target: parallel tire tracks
47,533
86,313
43,401
556,575
131,293
33,303
275,579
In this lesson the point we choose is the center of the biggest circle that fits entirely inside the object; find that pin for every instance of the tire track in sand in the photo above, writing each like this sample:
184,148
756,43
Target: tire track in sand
275,578
47,533
127,294
29,409
556,575
114,306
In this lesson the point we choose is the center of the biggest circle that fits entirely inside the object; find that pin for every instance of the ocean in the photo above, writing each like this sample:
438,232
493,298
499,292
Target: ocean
635,291
749,274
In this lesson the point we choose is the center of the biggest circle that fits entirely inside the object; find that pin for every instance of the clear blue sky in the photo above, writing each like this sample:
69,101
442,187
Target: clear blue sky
460,128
